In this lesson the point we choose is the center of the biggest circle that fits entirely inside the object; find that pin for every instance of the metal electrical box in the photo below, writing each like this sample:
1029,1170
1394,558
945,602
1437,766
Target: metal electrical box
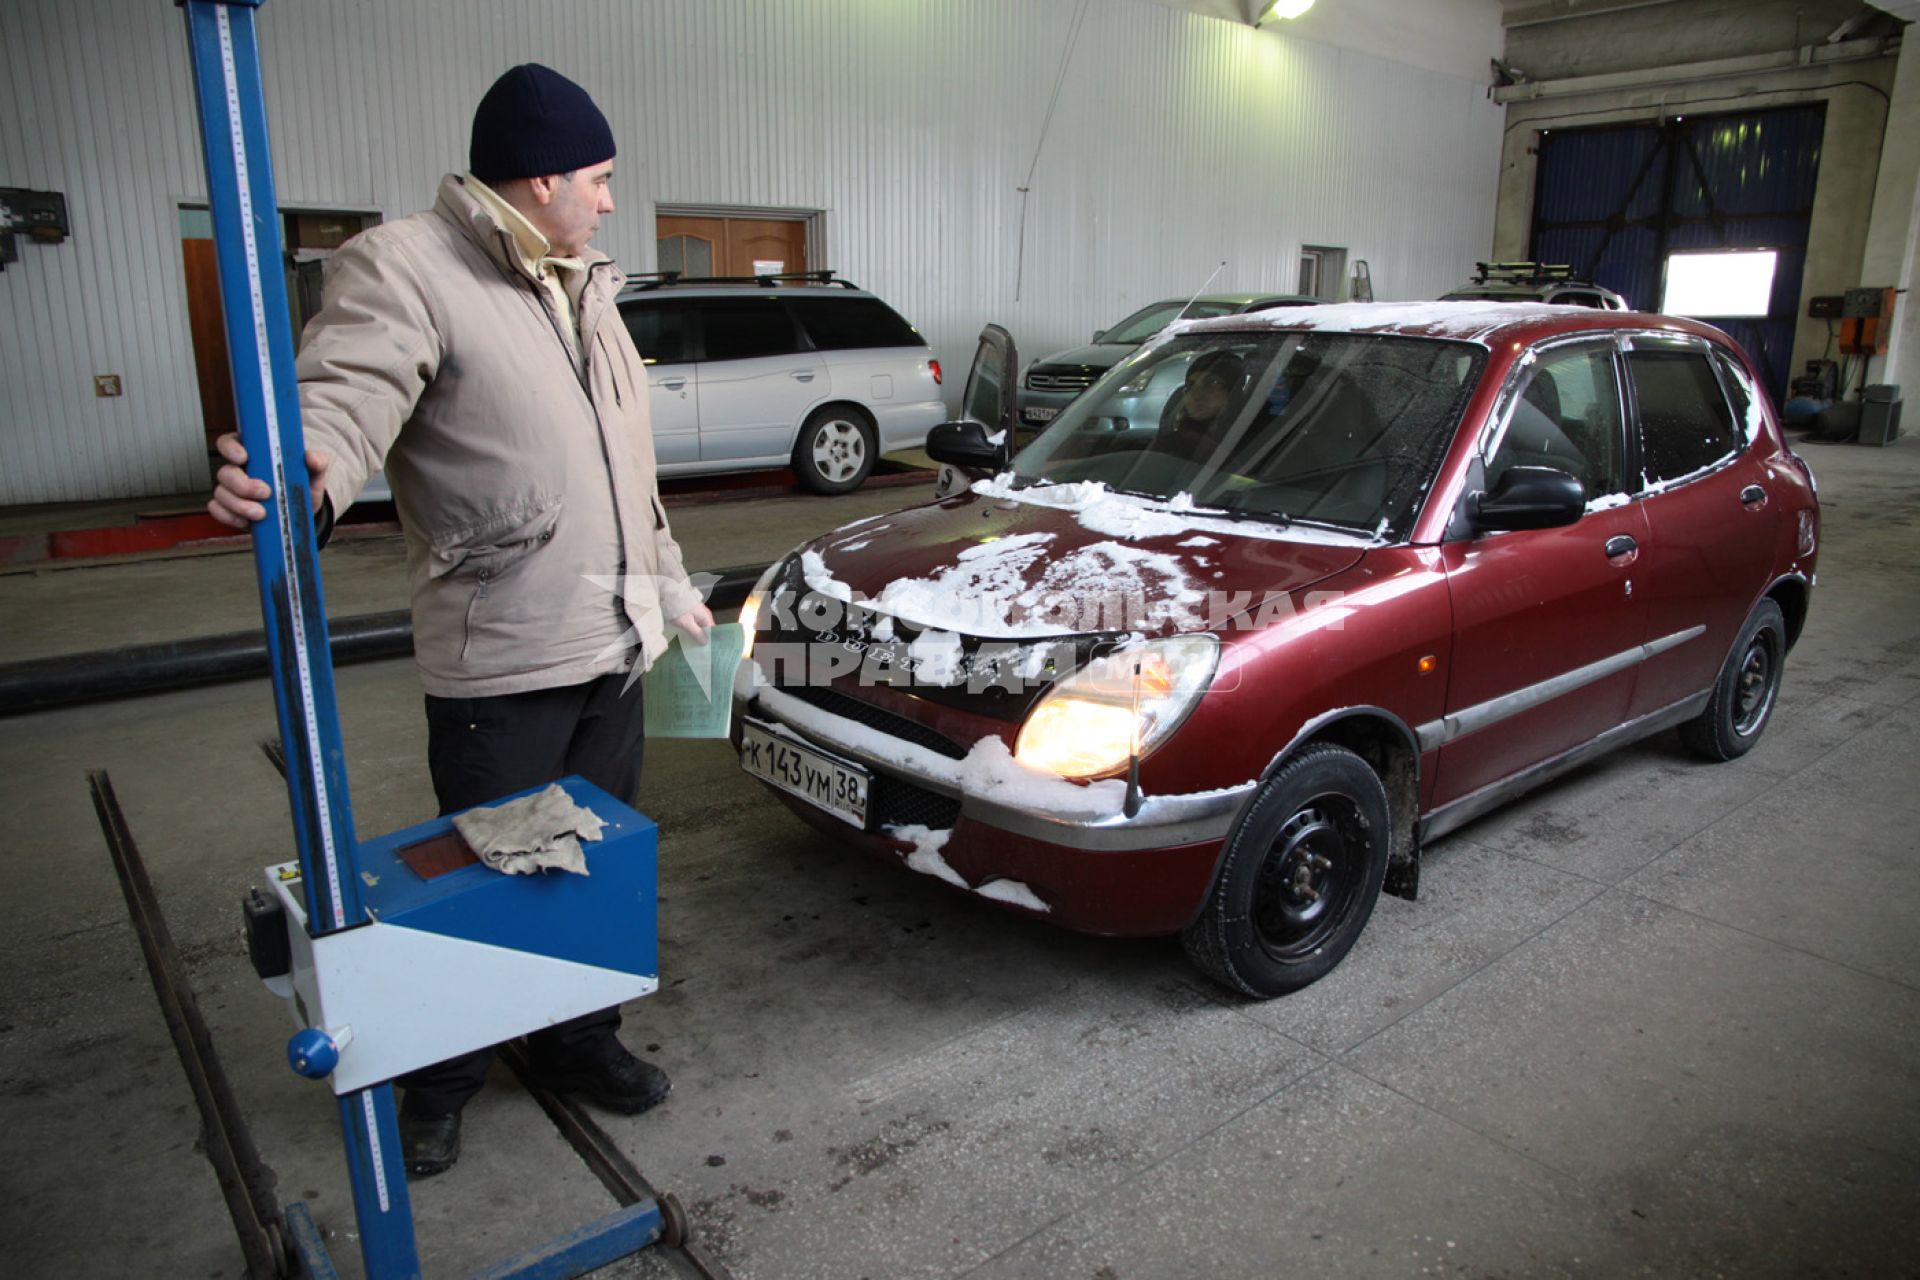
1880,414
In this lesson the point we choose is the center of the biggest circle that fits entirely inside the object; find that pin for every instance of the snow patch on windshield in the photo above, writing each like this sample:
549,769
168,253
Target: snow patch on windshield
1103,510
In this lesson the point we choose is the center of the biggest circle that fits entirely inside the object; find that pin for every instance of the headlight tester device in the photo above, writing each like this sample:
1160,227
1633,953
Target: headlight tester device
399,952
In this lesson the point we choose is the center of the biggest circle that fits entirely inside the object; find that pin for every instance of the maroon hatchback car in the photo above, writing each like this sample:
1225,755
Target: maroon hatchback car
1275,602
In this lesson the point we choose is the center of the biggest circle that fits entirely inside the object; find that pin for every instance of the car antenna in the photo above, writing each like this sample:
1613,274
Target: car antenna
1132,807
1197,292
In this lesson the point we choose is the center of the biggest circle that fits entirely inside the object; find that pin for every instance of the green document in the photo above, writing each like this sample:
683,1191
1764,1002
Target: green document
690,689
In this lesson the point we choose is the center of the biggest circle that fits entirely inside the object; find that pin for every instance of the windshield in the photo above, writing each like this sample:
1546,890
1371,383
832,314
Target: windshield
1337,429
1146,322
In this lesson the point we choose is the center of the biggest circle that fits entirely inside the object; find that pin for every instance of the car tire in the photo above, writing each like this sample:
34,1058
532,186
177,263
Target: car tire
1299,876
836,450
1744,692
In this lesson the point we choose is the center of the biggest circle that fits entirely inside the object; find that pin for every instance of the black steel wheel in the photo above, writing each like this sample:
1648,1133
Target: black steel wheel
1299,877
1745,690
836,450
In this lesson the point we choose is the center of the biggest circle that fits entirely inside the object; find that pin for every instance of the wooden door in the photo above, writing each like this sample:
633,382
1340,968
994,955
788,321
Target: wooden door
205,322
731,246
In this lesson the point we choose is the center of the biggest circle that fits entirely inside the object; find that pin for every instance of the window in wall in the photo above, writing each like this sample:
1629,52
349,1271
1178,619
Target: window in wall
1323,271
689,255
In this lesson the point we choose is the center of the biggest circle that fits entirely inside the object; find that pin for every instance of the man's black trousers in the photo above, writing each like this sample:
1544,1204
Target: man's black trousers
483,749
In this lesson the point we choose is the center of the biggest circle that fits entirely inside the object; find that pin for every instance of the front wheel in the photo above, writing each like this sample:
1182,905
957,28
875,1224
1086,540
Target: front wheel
1745,690
835,452
1299,877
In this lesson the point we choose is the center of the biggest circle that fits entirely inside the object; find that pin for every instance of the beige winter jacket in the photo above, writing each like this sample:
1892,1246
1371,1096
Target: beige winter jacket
521,472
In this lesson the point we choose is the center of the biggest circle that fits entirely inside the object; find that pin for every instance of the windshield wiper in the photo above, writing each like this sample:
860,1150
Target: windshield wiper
1230,504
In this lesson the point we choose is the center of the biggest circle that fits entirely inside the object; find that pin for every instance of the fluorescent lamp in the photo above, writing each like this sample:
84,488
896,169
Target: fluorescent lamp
1720,285
1283,9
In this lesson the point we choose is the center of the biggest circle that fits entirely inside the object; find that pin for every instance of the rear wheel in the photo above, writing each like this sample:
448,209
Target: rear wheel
1299,877
1745,690
836,449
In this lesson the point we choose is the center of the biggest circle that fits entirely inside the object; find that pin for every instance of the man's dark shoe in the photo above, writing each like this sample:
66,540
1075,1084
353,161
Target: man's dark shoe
429,1144
614,1079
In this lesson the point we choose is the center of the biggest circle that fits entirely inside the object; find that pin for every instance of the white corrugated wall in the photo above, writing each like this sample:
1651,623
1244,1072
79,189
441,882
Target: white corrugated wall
1177,141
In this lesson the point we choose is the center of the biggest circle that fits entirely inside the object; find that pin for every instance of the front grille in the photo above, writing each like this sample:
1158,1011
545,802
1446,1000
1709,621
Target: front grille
865,713
893,803
1061,379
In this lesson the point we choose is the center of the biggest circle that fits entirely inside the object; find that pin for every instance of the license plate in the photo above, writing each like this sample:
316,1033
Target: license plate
1037,414
827,783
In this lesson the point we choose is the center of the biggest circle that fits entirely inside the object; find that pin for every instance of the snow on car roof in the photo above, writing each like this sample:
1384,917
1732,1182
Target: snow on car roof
1470,321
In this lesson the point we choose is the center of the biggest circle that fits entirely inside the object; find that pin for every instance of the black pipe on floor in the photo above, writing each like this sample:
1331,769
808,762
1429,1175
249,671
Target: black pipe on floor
41,683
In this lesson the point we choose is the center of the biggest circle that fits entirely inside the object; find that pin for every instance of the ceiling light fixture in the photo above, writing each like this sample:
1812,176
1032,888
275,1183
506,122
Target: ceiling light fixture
1268,10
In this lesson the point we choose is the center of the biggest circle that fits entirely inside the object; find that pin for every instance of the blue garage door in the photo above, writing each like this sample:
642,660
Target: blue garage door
1614,201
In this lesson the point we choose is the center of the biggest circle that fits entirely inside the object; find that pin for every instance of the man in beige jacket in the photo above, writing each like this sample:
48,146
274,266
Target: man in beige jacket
475,352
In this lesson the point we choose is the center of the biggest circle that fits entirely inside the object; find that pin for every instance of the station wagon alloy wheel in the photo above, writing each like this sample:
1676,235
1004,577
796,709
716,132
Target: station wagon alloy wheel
835,453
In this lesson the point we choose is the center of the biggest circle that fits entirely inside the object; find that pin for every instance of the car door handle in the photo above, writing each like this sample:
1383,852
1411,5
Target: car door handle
673,384
1752,496
1621,544
802,375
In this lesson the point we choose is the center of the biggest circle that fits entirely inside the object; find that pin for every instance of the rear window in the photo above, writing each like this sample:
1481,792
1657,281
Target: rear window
842,324
1685,424
745,328
659,330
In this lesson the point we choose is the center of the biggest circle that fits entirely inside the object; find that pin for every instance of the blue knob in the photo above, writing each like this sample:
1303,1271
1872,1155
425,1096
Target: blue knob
312,1053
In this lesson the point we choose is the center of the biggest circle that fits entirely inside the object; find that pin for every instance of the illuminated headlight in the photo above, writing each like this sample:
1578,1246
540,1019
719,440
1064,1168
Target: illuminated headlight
1124,704
756,601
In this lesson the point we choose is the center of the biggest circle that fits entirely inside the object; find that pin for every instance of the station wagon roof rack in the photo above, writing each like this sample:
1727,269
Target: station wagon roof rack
768,280
1521,272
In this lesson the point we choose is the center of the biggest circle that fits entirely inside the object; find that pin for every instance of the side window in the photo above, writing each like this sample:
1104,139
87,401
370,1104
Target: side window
1746,402
659,330
1685,423
1567,417
746,328
842,324
986,402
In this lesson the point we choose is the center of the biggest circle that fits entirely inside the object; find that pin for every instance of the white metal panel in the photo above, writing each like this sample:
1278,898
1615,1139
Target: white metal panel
1177,141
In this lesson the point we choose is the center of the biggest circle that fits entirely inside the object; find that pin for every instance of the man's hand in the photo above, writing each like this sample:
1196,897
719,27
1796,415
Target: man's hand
696,622
237,496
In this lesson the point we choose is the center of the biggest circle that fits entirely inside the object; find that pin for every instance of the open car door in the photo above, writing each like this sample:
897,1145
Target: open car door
990,399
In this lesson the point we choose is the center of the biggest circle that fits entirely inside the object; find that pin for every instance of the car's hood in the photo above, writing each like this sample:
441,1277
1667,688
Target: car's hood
1103,355
1064,559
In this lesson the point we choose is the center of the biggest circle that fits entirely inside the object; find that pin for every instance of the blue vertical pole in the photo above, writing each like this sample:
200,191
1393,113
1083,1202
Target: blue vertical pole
246,233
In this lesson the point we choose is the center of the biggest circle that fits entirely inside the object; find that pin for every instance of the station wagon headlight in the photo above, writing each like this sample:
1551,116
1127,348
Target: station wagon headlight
755,602
1125,703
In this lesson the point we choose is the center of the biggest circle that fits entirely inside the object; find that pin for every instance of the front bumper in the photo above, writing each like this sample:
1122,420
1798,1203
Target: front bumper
1098,871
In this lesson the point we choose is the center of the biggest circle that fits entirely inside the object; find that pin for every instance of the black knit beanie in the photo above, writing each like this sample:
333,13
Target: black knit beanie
534,121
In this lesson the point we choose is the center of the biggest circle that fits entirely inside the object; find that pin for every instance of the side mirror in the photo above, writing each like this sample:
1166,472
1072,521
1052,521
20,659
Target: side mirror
967,446
1099,334
1528,498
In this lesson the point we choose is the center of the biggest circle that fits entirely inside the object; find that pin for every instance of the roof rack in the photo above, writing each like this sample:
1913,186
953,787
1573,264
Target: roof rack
767,280
1521,272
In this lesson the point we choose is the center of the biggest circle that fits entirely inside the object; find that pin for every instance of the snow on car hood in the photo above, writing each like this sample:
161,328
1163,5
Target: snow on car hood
1020,564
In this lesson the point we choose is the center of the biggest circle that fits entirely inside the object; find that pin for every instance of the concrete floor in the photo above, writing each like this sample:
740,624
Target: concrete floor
1660,1018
